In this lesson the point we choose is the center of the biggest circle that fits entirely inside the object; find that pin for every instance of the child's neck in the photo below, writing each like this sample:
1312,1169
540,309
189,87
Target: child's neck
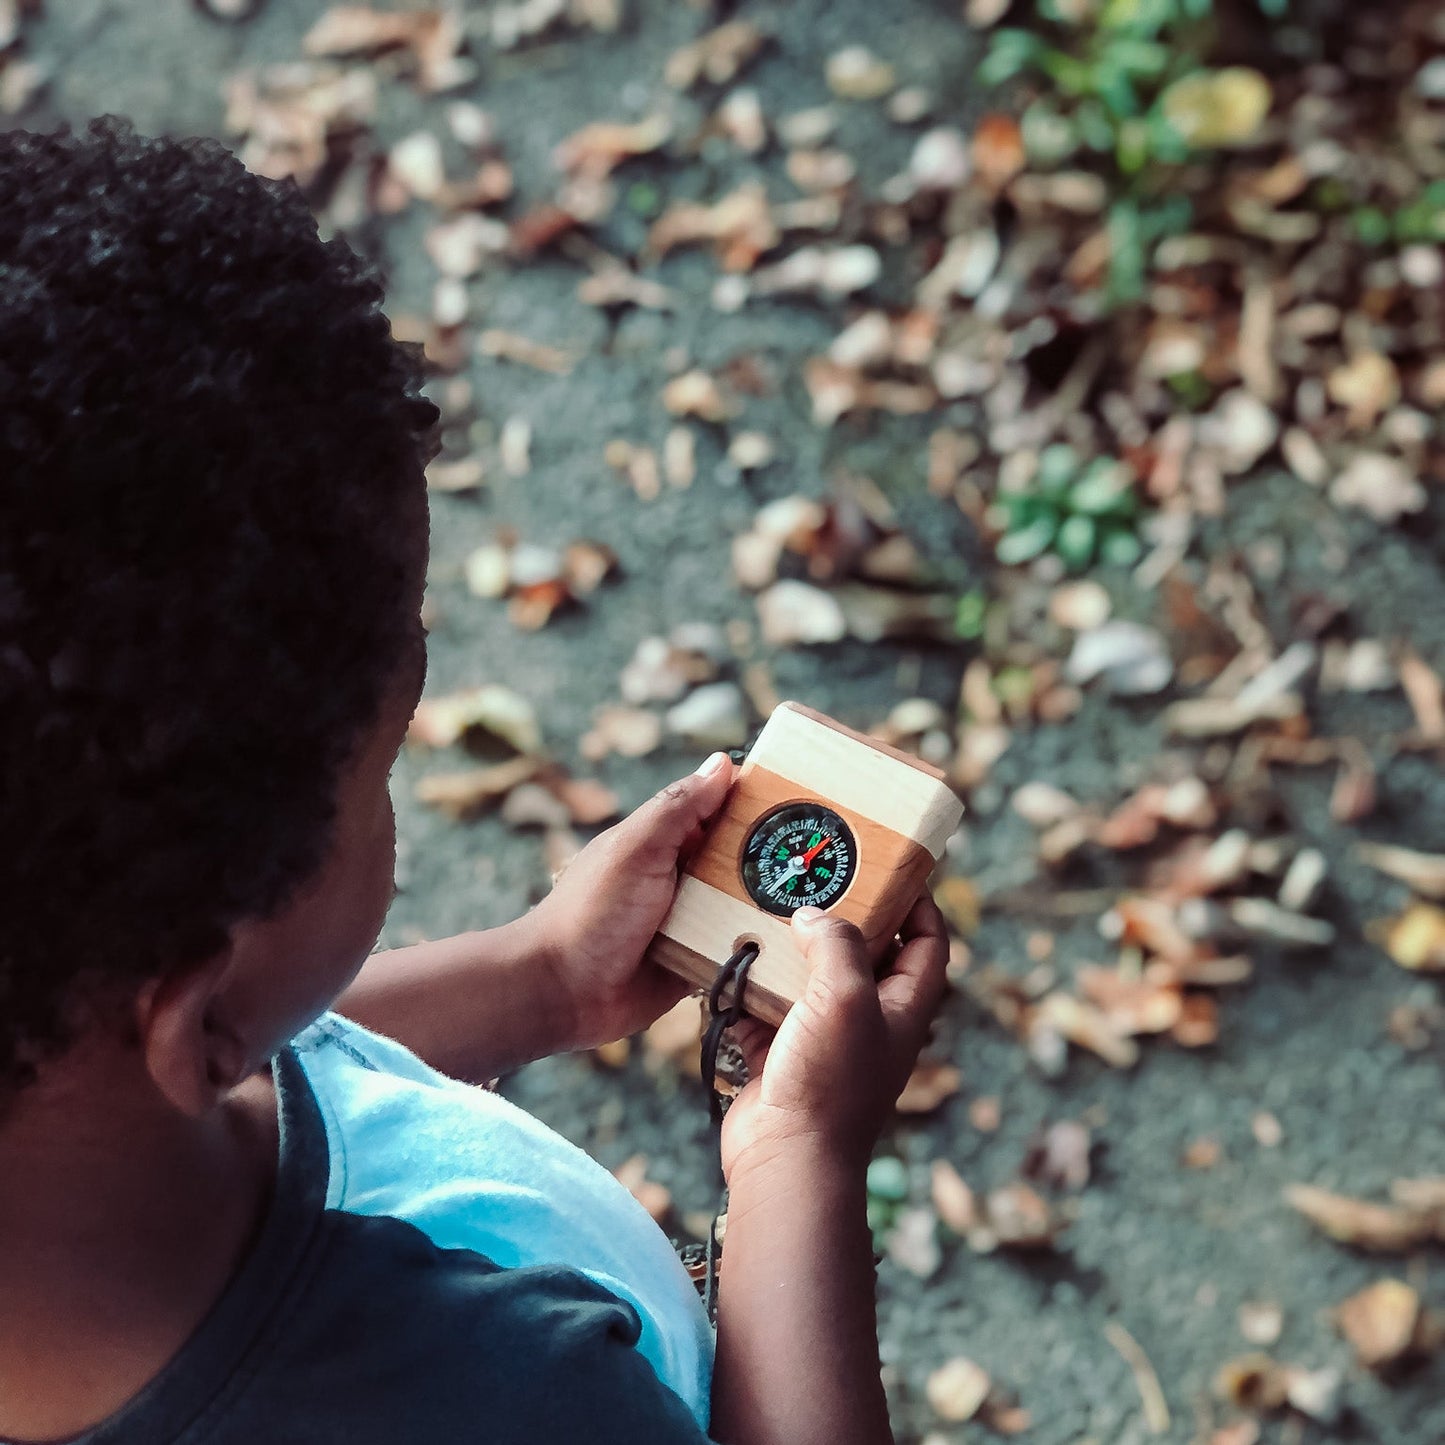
120,1225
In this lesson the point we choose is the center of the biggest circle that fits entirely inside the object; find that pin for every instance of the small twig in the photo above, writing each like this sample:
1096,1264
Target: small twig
1156,1407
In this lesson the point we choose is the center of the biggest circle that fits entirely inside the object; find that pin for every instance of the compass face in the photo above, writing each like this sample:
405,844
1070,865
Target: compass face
799,854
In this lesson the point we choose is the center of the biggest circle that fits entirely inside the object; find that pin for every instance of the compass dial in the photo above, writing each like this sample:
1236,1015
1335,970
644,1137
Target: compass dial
799,854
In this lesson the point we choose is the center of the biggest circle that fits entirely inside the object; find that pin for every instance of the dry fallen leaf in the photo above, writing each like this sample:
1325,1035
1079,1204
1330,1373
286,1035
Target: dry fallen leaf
955,1202
1424,872
1416,939
998,150
928,1086
956,1390
716,57
462,795
481,717
1384,1228
1381,1322
598,149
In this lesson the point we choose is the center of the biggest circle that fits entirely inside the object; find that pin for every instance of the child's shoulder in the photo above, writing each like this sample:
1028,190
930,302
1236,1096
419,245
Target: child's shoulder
472,1172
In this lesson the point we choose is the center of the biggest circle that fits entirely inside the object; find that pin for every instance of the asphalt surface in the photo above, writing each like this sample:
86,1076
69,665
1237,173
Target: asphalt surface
1168,1252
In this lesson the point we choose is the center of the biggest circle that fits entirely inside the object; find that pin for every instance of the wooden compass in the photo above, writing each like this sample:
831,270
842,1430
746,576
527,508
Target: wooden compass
819,816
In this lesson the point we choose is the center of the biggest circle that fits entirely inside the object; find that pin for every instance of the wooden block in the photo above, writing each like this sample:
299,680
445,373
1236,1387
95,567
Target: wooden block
819,815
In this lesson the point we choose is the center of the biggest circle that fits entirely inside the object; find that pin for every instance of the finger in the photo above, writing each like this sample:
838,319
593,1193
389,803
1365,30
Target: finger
673,819
912,993
834,949
754,1038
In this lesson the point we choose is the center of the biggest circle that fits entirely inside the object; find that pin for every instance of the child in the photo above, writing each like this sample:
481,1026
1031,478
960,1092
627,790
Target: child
237,1206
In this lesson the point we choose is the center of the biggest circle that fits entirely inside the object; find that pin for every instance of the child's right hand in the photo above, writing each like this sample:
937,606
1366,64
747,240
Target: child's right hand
828,1078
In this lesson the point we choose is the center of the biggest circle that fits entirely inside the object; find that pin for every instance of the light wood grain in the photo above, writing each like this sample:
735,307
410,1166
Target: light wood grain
827,761
901,813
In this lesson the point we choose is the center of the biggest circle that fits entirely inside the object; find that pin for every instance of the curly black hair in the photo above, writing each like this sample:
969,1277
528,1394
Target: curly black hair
212,535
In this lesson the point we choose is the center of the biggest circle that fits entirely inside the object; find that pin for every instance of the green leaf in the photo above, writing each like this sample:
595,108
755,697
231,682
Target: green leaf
1058,466
1132,148
888,1179
1105,490
1372,226
1275,9
1142,59
1075,542
1095,127
1119,547
1072,75
1126,252
1023,546
1010,53
969,617
1049,138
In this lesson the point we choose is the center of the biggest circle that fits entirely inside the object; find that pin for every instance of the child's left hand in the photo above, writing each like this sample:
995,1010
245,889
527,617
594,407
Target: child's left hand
595,925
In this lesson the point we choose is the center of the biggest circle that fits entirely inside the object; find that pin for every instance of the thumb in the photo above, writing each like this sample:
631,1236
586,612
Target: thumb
673,817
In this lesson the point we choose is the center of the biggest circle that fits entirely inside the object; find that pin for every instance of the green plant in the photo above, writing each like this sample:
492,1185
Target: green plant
1083,513
1126,87
1421,220
972,613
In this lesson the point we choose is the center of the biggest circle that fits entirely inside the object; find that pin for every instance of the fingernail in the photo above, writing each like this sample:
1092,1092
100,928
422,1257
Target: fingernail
710,765
804,917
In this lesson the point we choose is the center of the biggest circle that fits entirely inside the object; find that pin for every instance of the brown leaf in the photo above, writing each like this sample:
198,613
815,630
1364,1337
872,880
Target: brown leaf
598,149
613,1055
740,226
1416,939
1380,1322
589,801
1424,872
717,57
508,346
1132,1005
928,1086
998,150
481,717
675,1038
464,794
1384,1228
1427,698
695,393
534,604
1088,1027
434,38
1059,1157
1253,1382
955,1202
959,901
587,565
957,1390
1018,1218
630,732
541,227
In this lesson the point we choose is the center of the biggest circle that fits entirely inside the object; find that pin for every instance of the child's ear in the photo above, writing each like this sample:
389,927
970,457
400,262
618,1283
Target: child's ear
190,1052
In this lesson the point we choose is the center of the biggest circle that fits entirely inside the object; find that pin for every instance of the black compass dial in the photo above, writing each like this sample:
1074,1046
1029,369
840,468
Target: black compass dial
799,854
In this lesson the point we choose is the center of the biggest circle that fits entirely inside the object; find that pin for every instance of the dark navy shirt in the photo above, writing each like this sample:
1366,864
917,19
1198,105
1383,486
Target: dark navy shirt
351,1326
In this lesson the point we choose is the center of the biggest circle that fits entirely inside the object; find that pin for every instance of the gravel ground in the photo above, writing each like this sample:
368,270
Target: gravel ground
1169,1253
